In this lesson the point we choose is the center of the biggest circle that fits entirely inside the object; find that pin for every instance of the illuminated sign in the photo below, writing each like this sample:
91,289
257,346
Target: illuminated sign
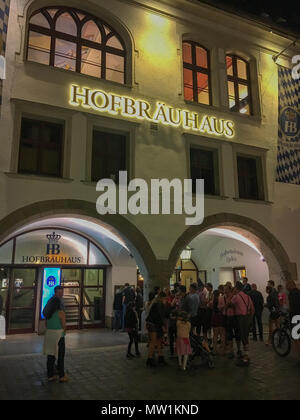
51,279
125,106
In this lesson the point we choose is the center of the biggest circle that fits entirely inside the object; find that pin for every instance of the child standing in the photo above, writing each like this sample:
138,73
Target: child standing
132,327
183,346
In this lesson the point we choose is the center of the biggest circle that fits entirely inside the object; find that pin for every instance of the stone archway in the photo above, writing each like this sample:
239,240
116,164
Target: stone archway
132,237
280,266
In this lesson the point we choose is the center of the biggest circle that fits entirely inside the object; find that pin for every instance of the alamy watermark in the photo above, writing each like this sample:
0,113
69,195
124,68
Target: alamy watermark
296,328
296,68
161,196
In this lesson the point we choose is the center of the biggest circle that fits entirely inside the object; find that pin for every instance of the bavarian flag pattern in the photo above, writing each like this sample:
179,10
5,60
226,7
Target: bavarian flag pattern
4,14
288,156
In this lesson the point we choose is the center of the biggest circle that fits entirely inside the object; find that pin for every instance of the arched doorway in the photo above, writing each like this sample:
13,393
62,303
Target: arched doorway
78,268
270,249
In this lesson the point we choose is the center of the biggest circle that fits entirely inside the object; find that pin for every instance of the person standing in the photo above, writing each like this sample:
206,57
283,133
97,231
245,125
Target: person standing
246,286
183,346
54,341
217,322
139,305
208,312
274,308
156,326
231,323
192,305
258,302
244,311
203,299
294,301
131,326
117,308
282,297
128,295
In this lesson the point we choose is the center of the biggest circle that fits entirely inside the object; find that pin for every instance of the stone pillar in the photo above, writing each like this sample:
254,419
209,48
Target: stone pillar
160,276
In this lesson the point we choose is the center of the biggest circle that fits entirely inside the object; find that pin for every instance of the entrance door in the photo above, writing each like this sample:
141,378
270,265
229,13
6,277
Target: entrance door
239,273
93,298
22,301
71,282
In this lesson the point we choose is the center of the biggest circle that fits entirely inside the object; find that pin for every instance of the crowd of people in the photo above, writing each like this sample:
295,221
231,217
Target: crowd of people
224,318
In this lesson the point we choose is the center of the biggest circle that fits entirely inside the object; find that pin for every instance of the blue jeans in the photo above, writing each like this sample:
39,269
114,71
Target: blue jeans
117,324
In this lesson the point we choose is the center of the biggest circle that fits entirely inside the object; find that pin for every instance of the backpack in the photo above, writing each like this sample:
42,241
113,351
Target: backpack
47,311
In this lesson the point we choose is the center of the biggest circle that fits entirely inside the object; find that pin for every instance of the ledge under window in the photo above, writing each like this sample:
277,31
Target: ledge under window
248,200
37,177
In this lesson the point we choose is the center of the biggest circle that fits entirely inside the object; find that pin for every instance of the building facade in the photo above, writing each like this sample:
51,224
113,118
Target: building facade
172,89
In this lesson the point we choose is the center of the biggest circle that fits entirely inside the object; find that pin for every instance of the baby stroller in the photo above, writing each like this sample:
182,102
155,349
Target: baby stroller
199,351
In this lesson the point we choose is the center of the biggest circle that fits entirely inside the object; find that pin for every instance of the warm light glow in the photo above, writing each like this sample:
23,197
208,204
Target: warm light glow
157,41
234,235
129,107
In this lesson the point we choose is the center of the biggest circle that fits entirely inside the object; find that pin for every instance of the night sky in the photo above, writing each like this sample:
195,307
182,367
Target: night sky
284,14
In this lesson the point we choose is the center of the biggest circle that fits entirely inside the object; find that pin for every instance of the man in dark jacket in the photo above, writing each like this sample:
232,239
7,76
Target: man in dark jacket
117,307
258,302
139,305
246,286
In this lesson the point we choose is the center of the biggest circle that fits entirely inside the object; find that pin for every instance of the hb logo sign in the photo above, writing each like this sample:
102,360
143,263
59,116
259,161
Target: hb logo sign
53,248
290,122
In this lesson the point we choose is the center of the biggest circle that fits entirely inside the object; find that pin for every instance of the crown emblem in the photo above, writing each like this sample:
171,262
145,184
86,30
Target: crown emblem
291,115
53,238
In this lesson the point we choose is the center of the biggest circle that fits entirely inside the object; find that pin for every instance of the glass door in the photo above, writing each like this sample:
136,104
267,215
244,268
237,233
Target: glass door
93,298
71,283
22,300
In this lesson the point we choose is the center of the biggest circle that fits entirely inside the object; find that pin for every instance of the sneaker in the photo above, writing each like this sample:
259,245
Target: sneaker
230,355
254,338
64,379
138,354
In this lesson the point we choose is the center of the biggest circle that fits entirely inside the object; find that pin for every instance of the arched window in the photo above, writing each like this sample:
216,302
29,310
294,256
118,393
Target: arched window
196,73
73,40
238,76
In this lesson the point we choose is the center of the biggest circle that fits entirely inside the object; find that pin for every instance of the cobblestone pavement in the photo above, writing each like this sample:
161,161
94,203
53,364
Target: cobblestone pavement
105,374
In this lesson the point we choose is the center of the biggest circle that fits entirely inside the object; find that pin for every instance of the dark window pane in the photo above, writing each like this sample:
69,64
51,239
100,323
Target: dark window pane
203,166
108,155
40,147
248,178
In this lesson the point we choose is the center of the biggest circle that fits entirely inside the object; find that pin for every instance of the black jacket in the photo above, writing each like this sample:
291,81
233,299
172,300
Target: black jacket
131,319
157,314
118,302
139,302
258,301
273,302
